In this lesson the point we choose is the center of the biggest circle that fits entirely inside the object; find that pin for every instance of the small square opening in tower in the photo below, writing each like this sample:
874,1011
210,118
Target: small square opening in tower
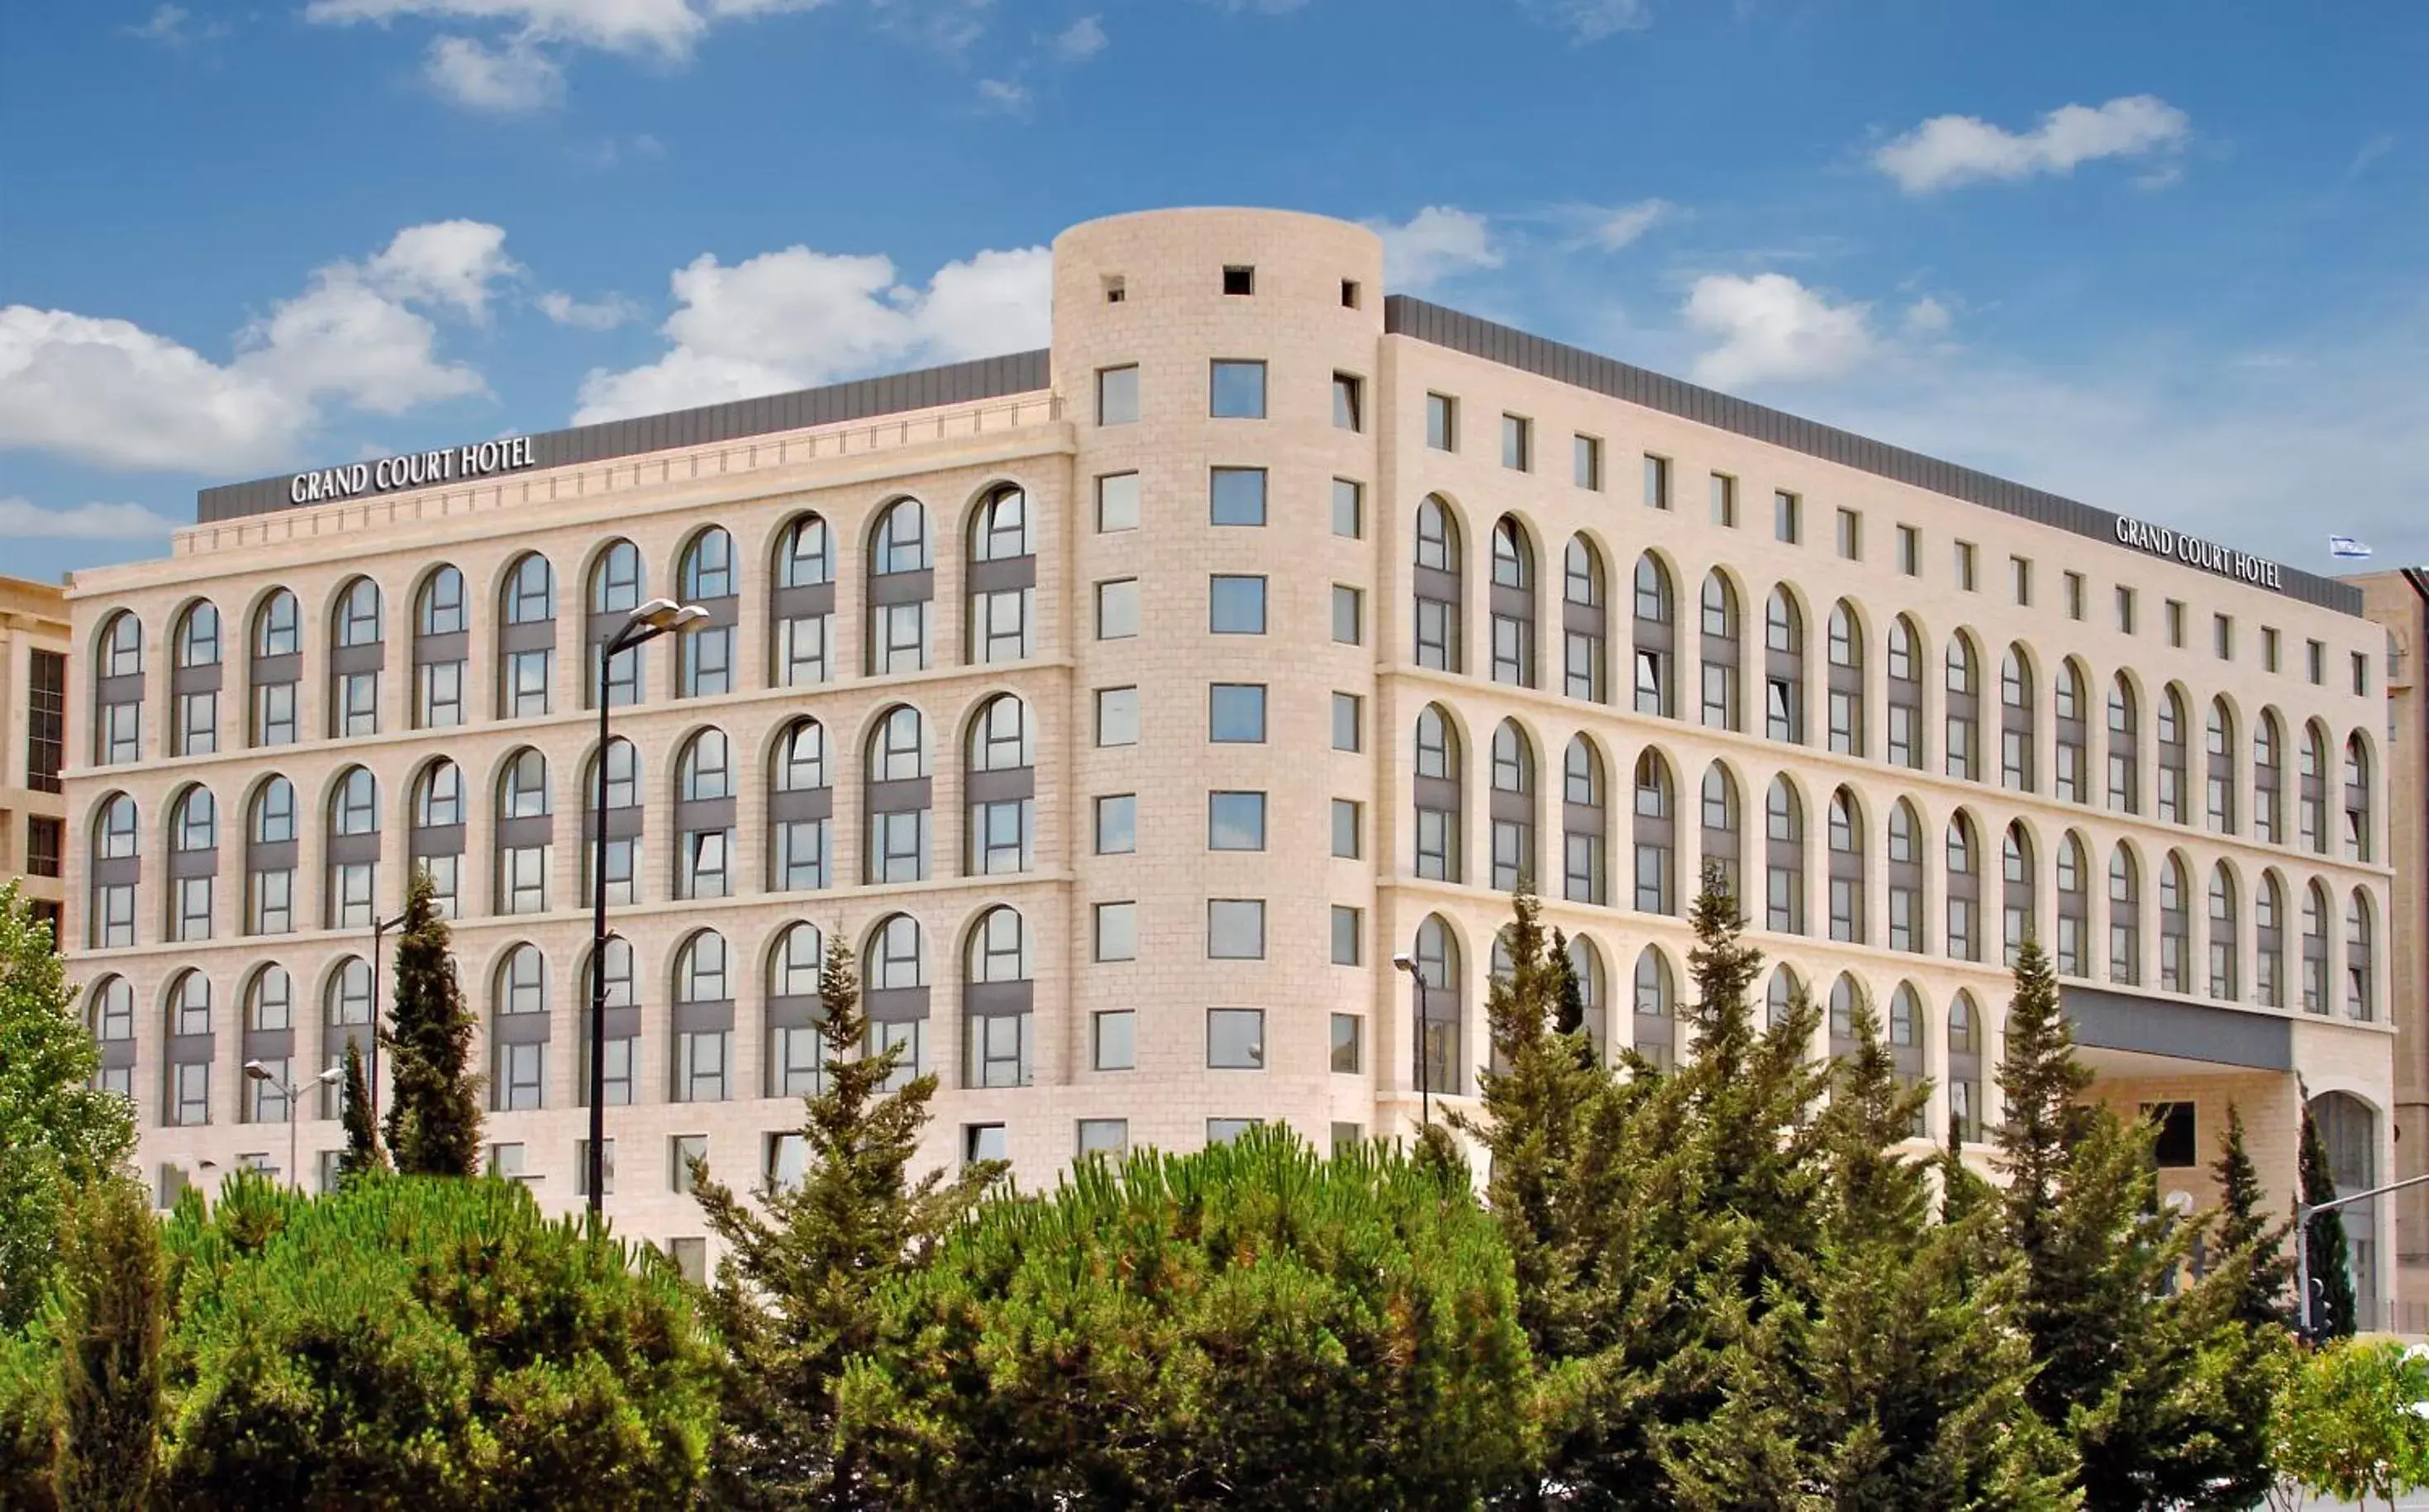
1239,280
1114,291
1349,293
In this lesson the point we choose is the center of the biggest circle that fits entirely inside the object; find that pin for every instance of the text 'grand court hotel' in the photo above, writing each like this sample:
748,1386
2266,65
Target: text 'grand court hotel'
1128,706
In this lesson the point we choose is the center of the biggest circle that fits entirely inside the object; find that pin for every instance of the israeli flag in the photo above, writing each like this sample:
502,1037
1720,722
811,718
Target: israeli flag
2346,547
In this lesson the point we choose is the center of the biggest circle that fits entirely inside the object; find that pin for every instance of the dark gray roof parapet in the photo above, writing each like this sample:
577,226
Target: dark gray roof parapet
1438,326
961,383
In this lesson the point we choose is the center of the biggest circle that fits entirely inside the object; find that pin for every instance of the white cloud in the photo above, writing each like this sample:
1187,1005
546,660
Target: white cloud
1771,328
1437,242
1947,151
166,27
1927,317
1003,94
1263,7
1080,40
507,80
23,519
593,315
1612,230
1591,21
667,27
109,392
798,317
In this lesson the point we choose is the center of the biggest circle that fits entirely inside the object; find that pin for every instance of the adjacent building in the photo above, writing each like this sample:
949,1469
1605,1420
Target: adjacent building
1128,706
33,731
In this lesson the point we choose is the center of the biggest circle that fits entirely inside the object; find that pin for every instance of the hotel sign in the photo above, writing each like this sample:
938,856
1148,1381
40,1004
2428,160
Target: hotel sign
2195,553
420,469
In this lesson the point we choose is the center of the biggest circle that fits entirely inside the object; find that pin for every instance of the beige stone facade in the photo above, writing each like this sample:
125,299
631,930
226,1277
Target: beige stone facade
33,713
1326,618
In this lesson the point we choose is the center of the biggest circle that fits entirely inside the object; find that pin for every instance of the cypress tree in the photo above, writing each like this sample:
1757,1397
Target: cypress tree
2332,1290
434,1122
2251,1247
362,1152
110,1321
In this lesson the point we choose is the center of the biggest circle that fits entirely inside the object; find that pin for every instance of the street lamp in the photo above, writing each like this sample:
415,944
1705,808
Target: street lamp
659,617
1425,1078
262,1073
2304,1212
379,934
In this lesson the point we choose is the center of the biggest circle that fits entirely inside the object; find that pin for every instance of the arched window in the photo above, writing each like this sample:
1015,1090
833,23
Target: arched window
2170,733
1847,680
1657,842
519,1032
2268,779
2361,962
1783,644
2073,907
194,681
189,1036
1906,1048
1964,889
441,642
434,838
2016,868
524,833
1513,808
1439,587
193,862
621,1045
1656,1032
1907,927
902,583
2016,735
1440,1005
270,1038
1964,694
2358,818
1001,782
802,609
1723,821
895,793
2311,802
1655,635
1440,799
275,669
2223,943
2218,775
118,691
111,1019
1721,654
1783,826
269,859
626,819
997,1002
704,788
2315,947
2175,925
1594,996
1514,604
527,638
1847,825
2349,1131
1585,824
1966,1068
354,846
1844,993
2269,942
797,1048
2074,735
800,803
2124,918
1003,578
357,648
346,1019
704,1019
708,577
618,583
1903,676
1585,624
2124,753
1779,998
897,1000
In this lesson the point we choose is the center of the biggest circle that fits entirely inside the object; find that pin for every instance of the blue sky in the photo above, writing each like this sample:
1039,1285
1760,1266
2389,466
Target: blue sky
2166,258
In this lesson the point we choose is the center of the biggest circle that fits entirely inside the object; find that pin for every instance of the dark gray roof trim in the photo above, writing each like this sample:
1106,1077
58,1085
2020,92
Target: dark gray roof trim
961,383
1438,326
2105,1019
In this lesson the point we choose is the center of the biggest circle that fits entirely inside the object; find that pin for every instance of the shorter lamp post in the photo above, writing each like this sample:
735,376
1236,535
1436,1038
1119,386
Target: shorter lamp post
2304,1212
379,934
262,1073
1424,1076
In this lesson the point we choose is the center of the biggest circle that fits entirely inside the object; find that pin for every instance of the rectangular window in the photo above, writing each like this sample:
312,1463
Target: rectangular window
1118,395
273,714
1517,443
1108,1137
1235,1039
1236,389
1235,928
1724,499
1909,549
1239,280
1117,609
1115,1040
46,704
1851,535
1236,714
2222,637
2124,610
1117,503
1348,611
2176,623
1118,824
1346,1059
1441,422
1348,403
682,1150
1235,604
1657,481
1347,724
2020,574
1349,293
1117,716
1237,496
607,1167
2317,654
1787,518
1346,828
1585,462
1965,565
2075,596
1117,931
984,1141
1349,508
2268,648
1224,1130
2175,1147
1348,935
1235,821
43,837
2360,675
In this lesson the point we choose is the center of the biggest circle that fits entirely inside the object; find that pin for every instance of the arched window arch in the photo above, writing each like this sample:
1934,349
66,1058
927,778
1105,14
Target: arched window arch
704,1019
2125,917
270,859
1594,994
118,690
1585,824
797,1046
2073,733
997,1001
1514,807
901,584
1722,653
619,582
2073,907
109,1014
2172,765
527,638
353,848
708,577
2269,942
1964,888
1963,691
435,833
518,1025
1909,930
1845,992
704,804
2316,924
1440,797
2017,870
275,668
2175,925
187,1032
802,610
897,998
2311,800
1908,1031
1722,822
801,804
1512,607
2125,747
1585,623
2225,945
270,1038
1779,998
1783,643
357,649
193,862
1001,781
441,643
1657,837
1783,826
1903,683
1653,632
1441,1008
524,835
625,821
2269,779
2017,736
1848,735
194,681
1965,1054
895,793
2219,768
622,1045
1003,578
2357,814
1656,1031
2348,1129
346,1020
1439,587
2361,958
1847,826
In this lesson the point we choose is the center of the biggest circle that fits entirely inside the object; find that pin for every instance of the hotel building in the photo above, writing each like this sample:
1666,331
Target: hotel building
1128,707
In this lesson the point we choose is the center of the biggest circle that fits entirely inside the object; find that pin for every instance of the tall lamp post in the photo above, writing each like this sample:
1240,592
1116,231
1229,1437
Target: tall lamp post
1425,1074
653,620
379,936
293,1094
